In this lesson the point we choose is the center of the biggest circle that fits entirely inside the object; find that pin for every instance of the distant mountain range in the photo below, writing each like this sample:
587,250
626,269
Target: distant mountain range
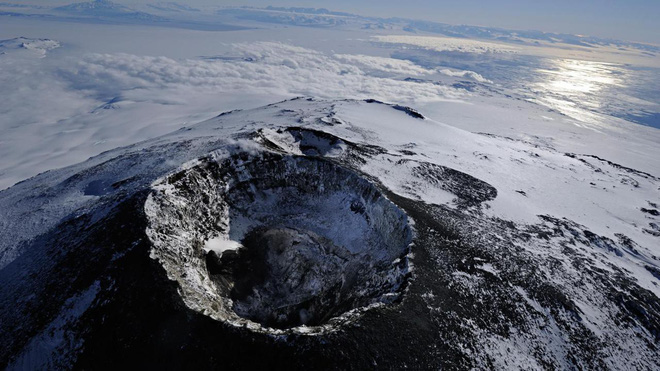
104,8
174,13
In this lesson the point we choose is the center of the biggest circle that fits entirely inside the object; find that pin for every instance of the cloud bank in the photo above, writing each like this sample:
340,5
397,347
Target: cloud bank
447,44
274,68
60,110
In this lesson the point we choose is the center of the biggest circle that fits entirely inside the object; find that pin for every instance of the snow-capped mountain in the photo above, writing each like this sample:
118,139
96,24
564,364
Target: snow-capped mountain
170,6
321,232
104,8
438,196
38,47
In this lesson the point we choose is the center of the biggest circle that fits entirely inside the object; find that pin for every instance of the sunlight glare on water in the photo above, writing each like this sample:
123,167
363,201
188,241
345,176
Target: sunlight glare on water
569,86
575,77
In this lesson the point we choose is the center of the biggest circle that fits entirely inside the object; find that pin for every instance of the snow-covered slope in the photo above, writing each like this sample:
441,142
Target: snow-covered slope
476,251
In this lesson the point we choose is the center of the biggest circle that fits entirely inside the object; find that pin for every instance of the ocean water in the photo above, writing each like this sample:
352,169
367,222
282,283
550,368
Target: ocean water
581,89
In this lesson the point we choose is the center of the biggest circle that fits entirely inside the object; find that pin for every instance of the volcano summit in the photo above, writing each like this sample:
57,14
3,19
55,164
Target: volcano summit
313,233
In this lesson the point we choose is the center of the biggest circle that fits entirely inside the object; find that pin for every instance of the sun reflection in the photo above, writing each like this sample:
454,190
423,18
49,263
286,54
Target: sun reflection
567,84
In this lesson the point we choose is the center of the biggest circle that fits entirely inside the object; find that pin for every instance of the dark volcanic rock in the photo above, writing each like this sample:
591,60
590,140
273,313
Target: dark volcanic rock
316,264
318,241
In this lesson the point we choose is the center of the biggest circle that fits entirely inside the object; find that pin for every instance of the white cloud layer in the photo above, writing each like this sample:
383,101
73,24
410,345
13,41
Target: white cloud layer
51,117
465,74
384,65
268,67
447,44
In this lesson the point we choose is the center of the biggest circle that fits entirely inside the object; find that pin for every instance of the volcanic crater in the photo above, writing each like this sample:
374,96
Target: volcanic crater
278,242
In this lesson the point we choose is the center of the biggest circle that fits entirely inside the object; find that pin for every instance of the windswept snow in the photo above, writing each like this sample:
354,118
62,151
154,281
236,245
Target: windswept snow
305,183
529,260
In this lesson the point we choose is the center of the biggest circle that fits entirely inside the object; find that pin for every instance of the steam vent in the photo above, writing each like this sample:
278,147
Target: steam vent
278,243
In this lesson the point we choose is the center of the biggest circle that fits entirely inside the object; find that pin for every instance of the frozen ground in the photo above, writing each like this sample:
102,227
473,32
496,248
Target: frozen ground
520,253
528,167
